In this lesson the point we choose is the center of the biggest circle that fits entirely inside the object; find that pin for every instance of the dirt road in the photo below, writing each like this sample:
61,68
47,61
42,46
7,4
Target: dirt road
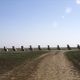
52,66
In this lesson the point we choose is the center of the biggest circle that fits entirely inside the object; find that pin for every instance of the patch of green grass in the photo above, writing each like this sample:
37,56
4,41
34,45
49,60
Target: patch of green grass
74,56
9,60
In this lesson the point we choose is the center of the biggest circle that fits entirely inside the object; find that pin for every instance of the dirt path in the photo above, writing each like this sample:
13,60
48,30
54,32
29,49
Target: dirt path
55,67
52,66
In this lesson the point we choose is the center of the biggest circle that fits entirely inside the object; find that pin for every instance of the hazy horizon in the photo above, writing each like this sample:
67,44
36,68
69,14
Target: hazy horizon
39,22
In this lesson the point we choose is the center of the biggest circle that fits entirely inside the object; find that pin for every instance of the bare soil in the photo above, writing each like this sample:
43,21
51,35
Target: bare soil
50,66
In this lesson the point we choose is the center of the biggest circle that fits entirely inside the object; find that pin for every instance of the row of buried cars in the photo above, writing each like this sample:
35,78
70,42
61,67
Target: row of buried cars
39,48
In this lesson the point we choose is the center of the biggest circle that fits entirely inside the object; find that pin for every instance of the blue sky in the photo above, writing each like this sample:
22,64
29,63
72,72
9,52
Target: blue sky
33,22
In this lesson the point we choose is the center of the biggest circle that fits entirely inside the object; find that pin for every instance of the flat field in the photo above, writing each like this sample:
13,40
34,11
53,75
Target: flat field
11,59
40,65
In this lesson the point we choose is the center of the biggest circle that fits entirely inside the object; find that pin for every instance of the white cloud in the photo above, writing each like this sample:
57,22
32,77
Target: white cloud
68,10
78,1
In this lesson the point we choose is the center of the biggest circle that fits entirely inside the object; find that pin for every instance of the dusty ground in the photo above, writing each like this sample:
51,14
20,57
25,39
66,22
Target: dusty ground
52,66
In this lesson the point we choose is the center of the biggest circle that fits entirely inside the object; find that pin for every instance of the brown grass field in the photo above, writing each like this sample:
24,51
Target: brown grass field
40,65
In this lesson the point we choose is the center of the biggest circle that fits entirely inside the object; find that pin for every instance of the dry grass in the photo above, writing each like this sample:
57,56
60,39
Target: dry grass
10,60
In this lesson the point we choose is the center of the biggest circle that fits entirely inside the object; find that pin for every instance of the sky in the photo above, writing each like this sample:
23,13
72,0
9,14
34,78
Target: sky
39,22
